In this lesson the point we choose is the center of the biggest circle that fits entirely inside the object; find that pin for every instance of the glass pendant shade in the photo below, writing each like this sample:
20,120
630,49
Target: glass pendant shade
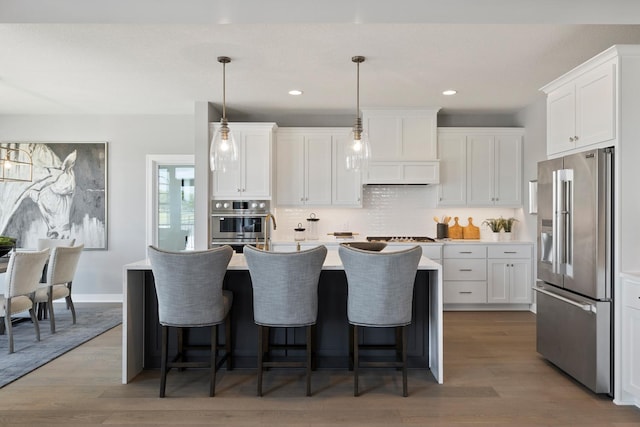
223,152
358,149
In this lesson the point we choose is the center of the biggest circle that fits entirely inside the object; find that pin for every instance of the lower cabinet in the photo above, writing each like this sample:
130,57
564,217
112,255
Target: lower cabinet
464,274
631,340
487,274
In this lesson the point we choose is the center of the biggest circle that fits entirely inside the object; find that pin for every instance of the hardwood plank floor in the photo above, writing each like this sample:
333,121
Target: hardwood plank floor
493,377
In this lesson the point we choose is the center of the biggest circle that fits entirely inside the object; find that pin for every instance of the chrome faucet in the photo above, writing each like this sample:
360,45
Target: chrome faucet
267,237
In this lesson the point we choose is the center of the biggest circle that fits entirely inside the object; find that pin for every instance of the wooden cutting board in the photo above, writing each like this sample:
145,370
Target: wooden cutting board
455,231
470,231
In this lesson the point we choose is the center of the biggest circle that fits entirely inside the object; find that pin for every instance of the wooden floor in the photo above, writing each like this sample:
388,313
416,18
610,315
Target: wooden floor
493,377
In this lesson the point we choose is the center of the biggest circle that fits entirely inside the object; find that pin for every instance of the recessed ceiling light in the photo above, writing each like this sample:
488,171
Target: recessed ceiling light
449,92
295,92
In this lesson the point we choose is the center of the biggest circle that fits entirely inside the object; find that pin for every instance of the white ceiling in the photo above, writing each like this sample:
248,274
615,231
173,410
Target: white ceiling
76,59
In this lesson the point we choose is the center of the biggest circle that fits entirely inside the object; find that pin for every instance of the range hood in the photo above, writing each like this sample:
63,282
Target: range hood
402,172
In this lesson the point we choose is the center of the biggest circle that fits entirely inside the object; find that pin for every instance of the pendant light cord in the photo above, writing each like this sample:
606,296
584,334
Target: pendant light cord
224,90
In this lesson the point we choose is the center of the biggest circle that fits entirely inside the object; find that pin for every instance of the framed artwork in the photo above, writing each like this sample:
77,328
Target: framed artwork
67,198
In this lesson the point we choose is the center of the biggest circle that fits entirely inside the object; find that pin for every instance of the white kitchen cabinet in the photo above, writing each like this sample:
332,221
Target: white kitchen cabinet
464,274
509,276
403,146
480,167
631,339
311,169
581,107
252,179
452,150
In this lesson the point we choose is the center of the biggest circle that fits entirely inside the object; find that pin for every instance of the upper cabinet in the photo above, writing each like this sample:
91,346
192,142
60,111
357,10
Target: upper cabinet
403,146
311,169
252,179
480,166
581,107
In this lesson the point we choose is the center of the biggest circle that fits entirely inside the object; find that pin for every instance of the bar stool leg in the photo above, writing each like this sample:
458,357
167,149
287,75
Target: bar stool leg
309,359
163,360
228,343
260,357
405,391
355,360
214,358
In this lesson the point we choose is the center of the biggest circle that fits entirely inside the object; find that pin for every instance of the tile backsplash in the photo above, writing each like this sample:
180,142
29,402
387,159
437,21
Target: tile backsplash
388,210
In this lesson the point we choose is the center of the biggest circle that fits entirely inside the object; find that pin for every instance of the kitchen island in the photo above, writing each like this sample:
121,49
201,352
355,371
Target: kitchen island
140,337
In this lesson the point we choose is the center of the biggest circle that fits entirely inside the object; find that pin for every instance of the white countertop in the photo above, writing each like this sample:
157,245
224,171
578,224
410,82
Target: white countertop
332,262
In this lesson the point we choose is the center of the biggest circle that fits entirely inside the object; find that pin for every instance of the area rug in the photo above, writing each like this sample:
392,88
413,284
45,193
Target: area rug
30,354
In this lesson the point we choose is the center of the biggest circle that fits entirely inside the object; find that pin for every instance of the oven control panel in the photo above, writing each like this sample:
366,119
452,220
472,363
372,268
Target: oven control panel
239,207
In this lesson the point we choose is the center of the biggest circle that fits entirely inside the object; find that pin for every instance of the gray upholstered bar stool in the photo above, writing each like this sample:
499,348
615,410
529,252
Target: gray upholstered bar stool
380,295
190,295
285,295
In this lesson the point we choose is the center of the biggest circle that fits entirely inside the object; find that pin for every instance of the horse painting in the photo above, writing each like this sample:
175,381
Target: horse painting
59,203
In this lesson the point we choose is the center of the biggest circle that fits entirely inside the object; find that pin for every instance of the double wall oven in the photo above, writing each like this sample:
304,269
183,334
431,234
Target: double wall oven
238,222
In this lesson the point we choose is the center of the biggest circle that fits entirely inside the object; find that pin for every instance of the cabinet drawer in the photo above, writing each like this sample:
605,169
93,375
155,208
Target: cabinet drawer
631,294
465,251
509,251
465,269
464,292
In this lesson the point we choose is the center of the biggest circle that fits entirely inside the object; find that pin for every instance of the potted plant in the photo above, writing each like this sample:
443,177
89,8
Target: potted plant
507,226
495,225
6,244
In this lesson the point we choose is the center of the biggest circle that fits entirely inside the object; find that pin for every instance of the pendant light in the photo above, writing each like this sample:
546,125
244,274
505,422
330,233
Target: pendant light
15,165
358,150
223,152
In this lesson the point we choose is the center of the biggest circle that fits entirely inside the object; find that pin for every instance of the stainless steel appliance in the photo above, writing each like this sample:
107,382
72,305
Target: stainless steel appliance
575,256
239,222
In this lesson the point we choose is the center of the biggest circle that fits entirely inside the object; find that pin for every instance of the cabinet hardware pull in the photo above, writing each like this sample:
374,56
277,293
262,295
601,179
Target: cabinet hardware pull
466,269
465,292
575,138
465,252
570,139
510,252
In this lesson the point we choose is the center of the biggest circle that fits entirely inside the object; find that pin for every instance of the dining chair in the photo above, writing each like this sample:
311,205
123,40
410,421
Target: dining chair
21,281
61,268
44,243
380,295
285,295
190,295
52,243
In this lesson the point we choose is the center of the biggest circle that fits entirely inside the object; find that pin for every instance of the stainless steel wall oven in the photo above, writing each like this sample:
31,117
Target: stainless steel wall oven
238,222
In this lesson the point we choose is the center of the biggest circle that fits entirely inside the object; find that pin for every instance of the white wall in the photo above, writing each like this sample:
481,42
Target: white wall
130,139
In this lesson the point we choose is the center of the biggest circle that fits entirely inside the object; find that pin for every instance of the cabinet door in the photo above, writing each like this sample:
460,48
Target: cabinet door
229,184
508,170
256,177
418,139
595,106
561,119
290,170
520,282
347,184
480,167
452,150
318,169
498,278
631,352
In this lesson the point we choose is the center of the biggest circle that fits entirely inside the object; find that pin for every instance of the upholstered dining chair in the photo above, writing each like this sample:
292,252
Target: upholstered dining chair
61,268
44,243
380,295
190,295
285,295
21,281
52,243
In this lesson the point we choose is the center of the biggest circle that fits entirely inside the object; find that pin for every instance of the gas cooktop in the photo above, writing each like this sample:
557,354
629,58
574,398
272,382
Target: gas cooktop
401,239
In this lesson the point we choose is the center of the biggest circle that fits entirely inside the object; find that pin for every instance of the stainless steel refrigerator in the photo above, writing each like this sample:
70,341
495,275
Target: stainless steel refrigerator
575,257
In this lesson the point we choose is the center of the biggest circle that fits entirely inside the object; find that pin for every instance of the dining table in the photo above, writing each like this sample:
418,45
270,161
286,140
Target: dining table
140,335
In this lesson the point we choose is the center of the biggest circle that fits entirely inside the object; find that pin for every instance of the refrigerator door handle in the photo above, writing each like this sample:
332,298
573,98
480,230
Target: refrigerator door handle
586,307
562,219
555,229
